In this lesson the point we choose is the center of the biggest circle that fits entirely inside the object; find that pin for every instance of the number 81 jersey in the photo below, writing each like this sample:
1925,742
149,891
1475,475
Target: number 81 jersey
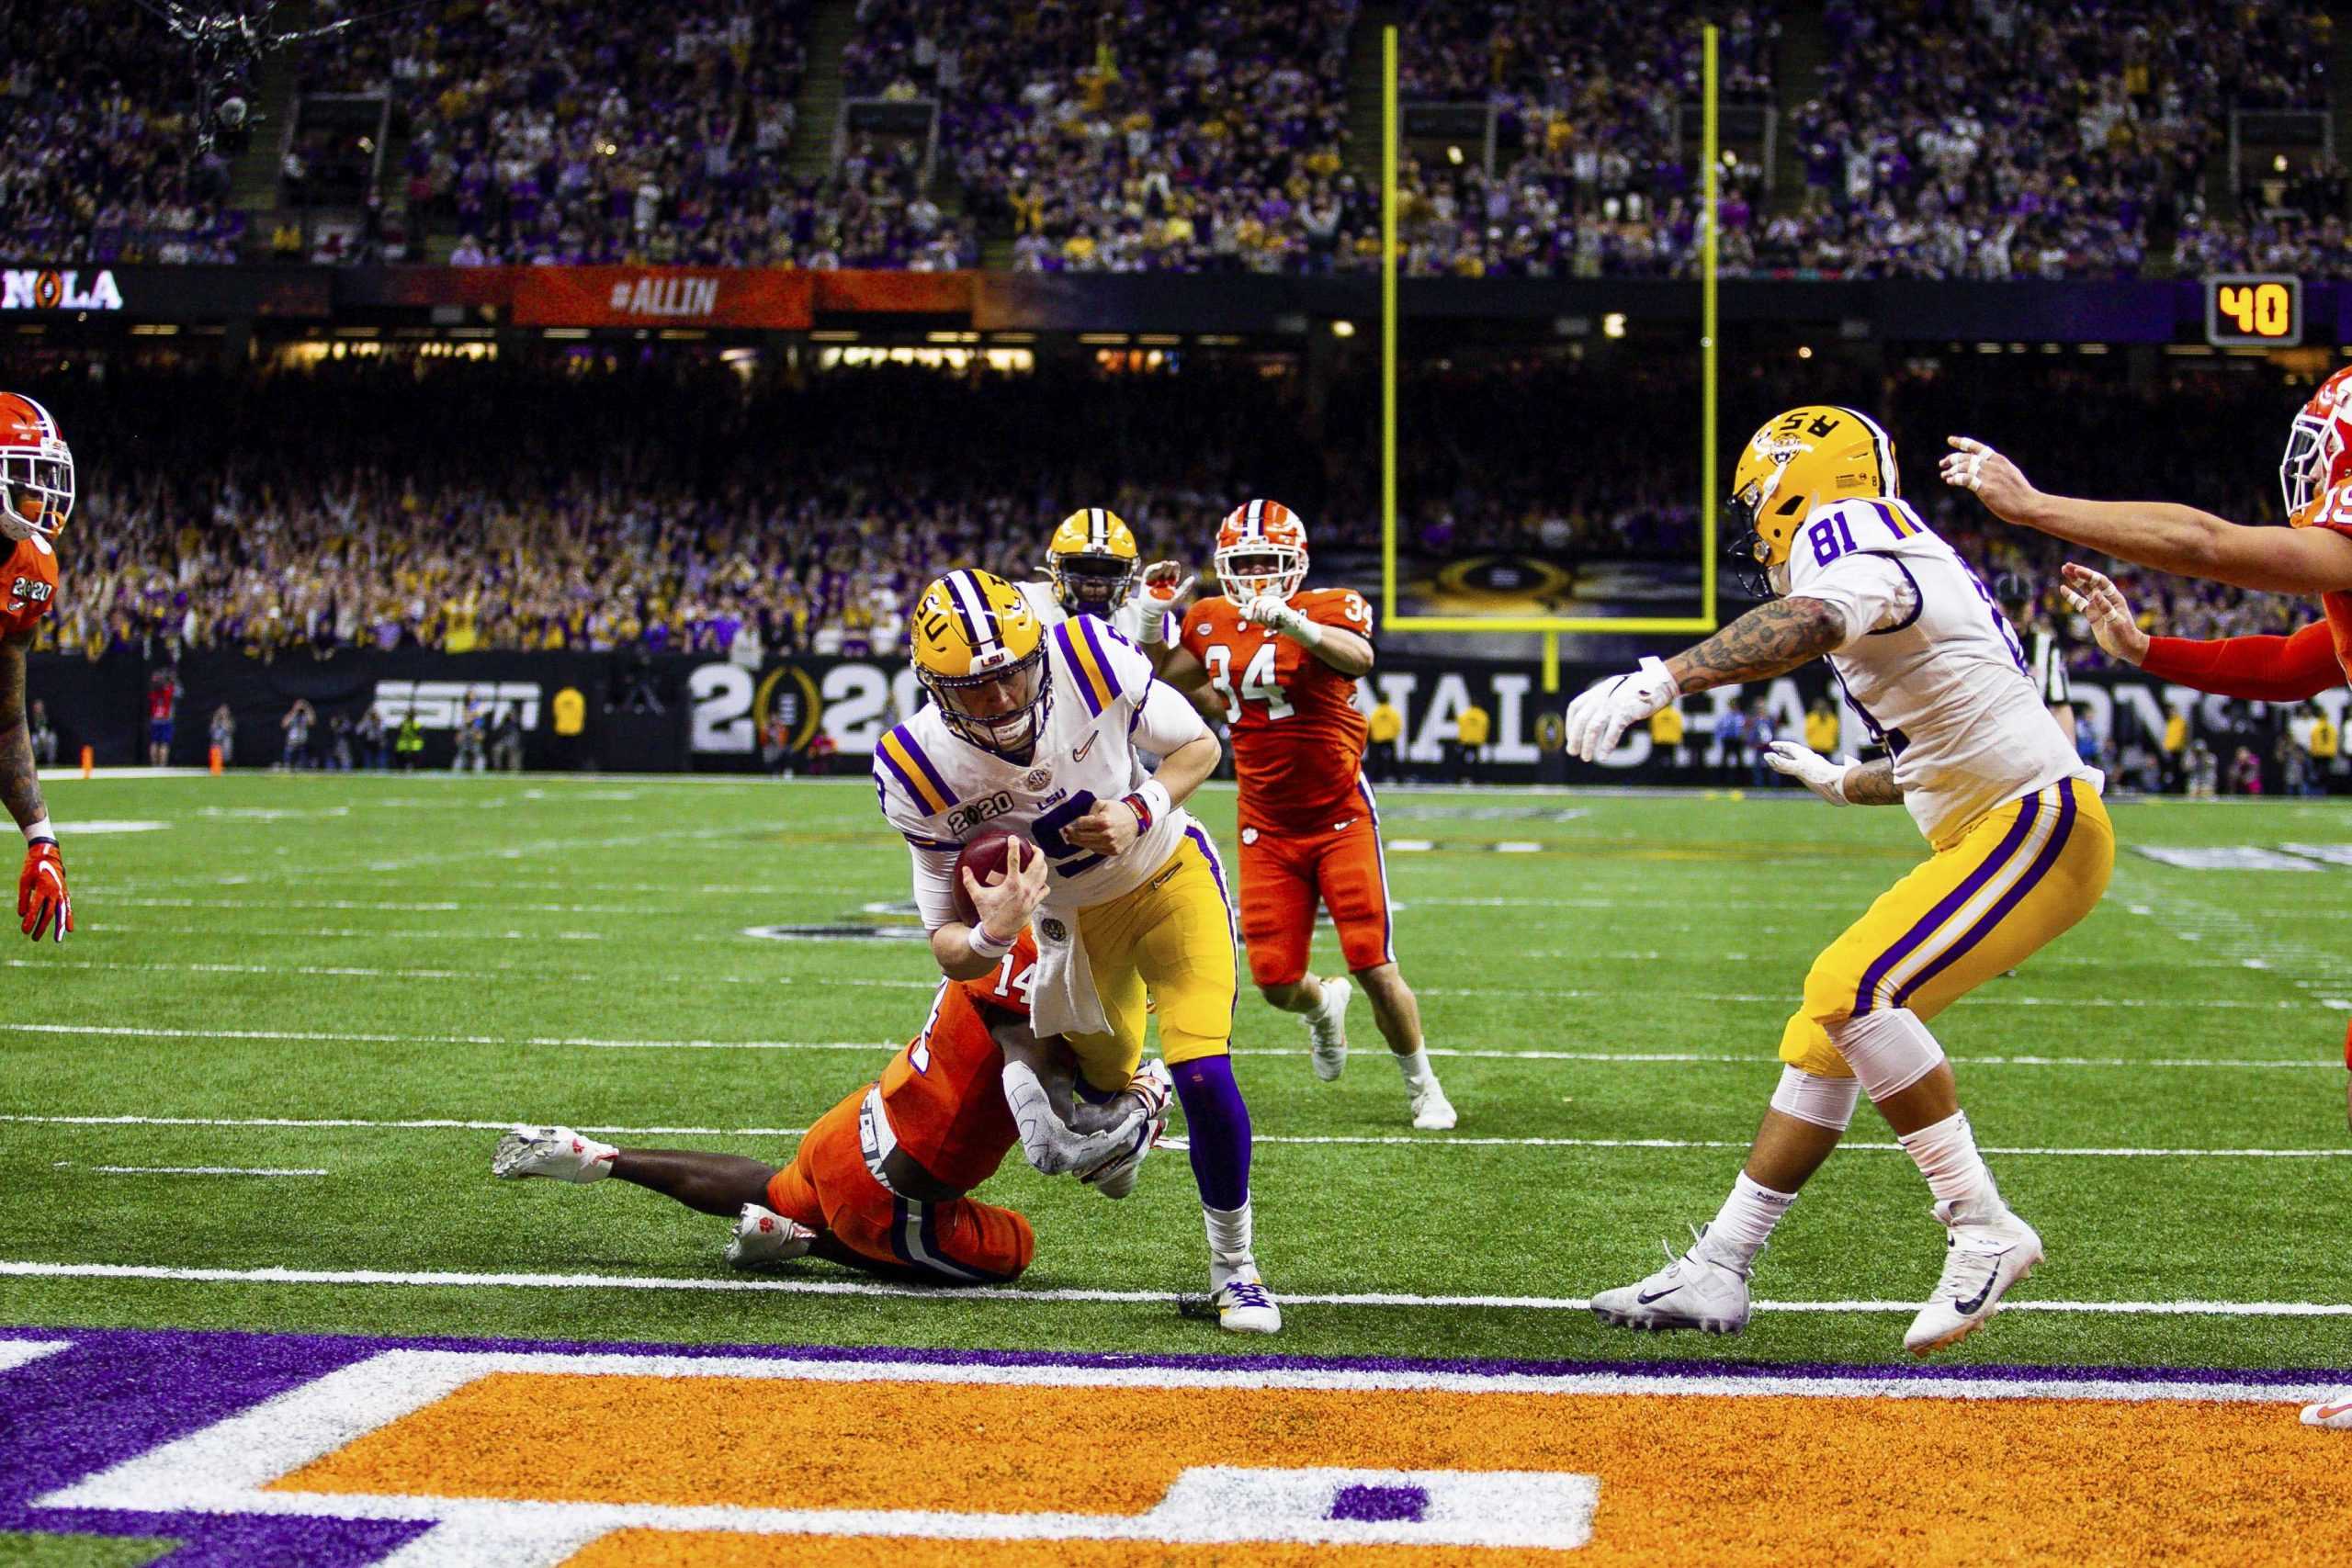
1298,735
940,791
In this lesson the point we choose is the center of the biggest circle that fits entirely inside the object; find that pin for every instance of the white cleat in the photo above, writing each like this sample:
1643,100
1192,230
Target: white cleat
764,1236
1985,1257
1115,1178
1432,1112
1244,1305
1695,1291
2335,1413
557,1152
1327,1030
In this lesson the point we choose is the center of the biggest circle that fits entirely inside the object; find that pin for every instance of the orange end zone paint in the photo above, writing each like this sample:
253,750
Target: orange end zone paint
1760,1479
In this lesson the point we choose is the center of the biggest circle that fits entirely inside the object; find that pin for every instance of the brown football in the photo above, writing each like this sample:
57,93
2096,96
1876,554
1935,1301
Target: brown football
984,857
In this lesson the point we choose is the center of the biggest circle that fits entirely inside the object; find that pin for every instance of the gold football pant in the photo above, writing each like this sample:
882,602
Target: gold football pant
1172,938
1993,895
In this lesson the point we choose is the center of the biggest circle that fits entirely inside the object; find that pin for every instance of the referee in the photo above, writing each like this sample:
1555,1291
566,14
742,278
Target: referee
2045,650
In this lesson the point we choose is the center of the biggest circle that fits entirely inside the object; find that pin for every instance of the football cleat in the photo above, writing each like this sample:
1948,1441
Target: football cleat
1432,1112
1983,1258
1695,1291
1327,1030
1115,1178
1244,1305
557,1152
762,1236
2335,1413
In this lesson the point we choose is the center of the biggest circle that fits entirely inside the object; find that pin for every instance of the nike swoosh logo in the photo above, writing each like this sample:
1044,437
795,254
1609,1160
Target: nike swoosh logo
1644,1298
2330,1412
1078,752
1971,1308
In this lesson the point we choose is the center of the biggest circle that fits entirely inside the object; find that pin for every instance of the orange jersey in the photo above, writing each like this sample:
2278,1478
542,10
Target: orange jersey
27,585
1297,736
2335,512
944,1093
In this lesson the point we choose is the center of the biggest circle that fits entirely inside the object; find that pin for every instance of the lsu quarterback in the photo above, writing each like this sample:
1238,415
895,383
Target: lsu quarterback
1284,660
2022,850
2311,557
1039,732
36,499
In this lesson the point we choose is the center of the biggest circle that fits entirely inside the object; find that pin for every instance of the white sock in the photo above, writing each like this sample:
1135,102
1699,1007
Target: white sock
1230,1243
1745,1222
1946,1155
1416,1068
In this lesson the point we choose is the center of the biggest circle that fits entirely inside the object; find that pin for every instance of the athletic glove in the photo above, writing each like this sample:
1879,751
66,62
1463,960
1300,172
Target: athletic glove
42,902
1051,1147
1143,619
1277,616
1811,768
1598,719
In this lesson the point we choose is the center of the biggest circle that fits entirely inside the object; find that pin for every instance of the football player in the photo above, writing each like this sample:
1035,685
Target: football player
1039,731
1284,658
36,499
2022,850
1091,569
882,1181
2312,555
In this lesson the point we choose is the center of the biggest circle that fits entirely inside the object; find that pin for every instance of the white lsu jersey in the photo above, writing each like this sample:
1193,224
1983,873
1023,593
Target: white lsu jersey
1930,664
1046,605
1103,704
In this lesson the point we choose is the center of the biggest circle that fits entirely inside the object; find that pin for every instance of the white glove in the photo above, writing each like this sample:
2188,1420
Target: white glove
1598,719
1049,1144
1277,616
1811,768
1143,618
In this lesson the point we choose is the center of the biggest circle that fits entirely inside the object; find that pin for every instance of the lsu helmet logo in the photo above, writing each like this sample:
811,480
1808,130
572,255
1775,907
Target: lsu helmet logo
1795,462
980,652
1091,561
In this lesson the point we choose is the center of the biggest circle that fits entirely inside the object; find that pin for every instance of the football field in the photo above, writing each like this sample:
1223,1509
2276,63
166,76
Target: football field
259,1089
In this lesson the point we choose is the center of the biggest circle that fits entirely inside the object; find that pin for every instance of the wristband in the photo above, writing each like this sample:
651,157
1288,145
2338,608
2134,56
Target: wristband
1306,632
1150,804
37,831
983,945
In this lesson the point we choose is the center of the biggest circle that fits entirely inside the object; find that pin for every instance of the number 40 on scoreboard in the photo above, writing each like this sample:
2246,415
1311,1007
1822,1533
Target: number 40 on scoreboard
2251,310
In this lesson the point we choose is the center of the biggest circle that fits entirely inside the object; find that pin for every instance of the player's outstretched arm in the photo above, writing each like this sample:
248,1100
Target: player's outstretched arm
967,952
1059,1135
1347,652
43,905
1769,640
2158,534
2259,669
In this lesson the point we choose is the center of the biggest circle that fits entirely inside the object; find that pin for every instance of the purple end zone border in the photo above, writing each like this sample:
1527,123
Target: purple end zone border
121,1392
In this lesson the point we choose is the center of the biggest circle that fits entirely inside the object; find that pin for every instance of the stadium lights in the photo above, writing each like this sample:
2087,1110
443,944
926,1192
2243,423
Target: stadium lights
1804,351
1613,325
1343,329
1453,156
2279,163
1731,158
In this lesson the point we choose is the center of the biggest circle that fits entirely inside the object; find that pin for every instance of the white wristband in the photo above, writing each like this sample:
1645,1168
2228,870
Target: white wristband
1843,774
40,829
1306,632
983,945
1156,798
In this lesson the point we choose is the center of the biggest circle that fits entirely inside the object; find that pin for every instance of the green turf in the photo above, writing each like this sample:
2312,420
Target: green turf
524,949
19,1550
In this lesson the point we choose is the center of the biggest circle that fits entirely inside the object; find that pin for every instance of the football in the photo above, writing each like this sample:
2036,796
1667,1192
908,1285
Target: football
984,857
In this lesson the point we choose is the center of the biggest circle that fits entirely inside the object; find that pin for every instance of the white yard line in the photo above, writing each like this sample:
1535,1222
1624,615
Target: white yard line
185,1169
430,1279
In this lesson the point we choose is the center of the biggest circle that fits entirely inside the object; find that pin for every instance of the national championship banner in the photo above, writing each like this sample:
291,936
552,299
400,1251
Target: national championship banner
663,297
687,713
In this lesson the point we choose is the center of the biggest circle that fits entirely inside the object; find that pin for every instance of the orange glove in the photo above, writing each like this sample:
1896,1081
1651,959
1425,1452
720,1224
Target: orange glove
42,902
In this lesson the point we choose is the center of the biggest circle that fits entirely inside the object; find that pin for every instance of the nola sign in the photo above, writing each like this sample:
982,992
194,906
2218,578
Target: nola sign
33,288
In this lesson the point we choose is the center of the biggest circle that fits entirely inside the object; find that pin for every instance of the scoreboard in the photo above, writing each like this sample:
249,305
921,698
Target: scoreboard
2253,310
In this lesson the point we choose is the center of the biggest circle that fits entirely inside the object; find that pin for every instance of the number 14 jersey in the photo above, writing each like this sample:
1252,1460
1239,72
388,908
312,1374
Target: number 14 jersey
1297,734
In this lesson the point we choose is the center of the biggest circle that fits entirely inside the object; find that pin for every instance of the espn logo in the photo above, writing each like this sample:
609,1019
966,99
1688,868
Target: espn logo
441,705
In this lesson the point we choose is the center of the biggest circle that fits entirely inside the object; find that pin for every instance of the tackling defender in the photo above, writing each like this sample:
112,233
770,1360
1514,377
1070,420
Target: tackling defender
881,1182
2311,557
1039,732
2023,850
1284,659
36,499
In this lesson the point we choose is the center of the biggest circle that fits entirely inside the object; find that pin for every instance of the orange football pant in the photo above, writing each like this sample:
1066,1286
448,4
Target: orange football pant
1282,877
827,1188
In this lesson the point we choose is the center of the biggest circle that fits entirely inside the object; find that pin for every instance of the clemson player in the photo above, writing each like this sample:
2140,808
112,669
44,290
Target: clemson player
2311,557
2022,851
1285,661
36,498
882,1181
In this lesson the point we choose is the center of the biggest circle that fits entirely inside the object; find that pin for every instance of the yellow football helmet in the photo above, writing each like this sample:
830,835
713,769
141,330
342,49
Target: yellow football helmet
1091,561
1794,462
979,651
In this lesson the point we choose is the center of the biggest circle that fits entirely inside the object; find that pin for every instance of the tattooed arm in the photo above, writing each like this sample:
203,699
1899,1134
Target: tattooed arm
1772,639
19,783
1873,783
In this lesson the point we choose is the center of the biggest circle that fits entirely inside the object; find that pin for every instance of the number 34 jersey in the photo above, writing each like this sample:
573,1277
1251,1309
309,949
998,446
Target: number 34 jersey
940,791
1297,734
1930,662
